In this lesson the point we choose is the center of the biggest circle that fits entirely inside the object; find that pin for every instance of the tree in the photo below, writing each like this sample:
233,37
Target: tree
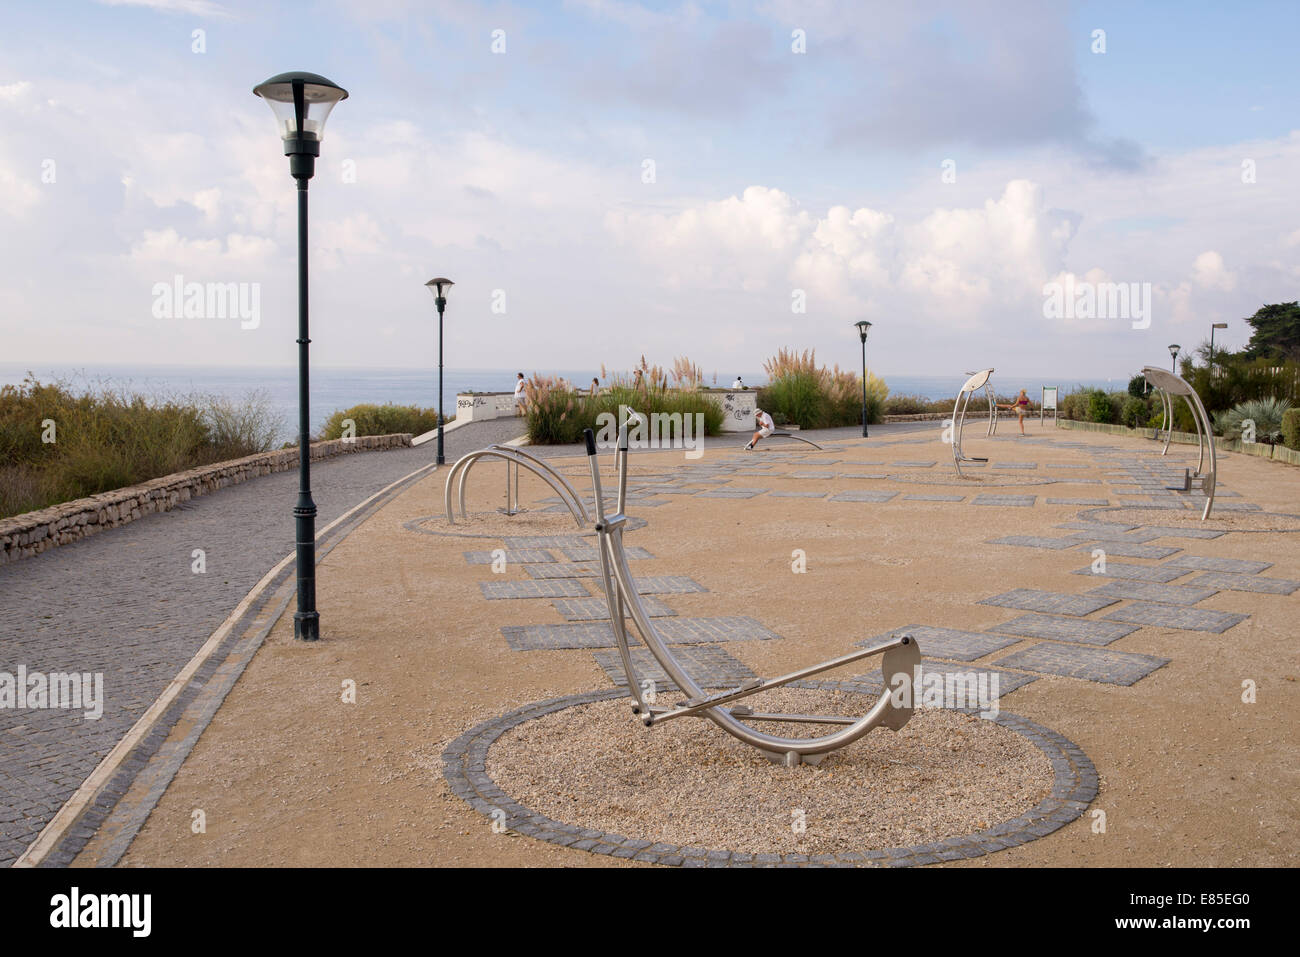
1276,332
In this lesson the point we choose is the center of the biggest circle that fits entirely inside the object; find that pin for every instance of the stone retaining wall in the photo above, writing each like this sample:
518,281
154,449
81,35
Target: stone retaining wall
33,532
1276,453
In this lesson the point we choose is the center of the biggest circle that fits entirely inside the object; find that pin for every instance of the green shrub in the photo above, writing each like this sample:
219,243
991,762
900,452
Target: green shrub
817,397
556,415
1099,407
916,405
386,419
1135,412
1137,386
1291,428
1266,414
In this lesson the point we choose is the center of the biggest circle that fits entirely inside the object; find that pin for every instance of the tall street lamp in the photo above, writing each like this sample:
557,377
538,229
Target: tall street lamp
1173,353
301,103
862,327
1213,326
437,287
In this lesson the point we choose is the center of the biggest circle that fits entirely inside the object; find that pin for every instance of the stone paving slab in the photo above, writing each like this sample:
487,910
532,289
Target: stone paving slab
708,665
1166,531
794,494
862,496
1057,628
733,493
1099,527
933,498
1251,583
946,642
511,555
595,609
1032,599
1131,549
679,491
564,570
1148,591
810,475
913,464
1135,537
496,591
588,553
661,585
1177,616
1078,501
598,634
545,541
1034,541
1066,465
1204,563
1013,465
1091,664
1013,501
872,683
861,475
1144,573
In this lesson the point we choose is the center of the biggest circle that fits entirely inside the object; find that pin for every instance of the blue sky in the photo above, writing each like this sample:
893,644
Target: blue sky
777,175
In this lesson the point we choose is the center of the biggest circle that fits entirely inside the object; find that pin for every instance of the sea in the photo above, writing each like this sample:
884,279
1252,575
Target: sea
334,388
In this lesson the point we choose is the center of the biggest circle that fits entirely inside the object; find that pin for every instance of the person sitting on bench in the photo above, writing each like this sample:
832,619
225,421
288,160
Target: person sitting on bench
765,427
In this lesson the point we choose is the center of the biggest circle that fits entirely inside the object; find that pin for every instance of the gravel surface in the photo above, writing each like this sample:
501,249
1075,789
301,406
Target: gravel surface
946,774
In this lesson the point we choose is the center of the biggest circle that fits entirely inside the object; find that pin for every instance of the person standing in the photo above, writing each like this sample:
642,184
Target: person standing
1021,408
520,398
738,384
595,388
765,427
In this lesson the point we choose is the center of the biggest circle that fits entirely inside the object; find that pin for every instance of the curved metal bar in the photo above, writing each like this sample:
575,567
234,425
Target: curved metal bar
1211,478
460,470
993,408
791,435
1171,384
901,655
520,453
1200,442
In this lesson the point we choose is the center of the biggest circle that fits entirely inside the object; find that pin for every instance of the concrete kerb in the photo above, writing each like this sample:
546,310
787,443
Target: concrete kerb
66,818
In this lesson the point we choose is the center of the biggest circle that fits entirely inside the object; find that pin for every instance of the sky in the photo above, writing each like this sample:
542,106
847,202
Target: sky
606,179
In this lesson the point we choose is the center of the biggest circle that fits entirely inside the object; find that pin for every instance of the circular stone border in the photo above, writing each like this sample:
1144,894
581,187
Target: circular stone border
465,770
416,525
1096,516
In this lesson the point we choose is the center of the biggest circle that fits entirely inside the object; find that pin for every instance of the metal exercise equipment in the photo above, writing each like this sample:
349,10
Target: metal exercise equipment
1169,385
514,458
993,404
977,381
791,435
901,655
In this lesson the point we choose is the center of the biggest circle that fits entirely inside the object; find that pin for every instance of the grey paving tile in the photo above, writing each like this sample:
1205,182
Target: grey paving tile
913,464
1013,465
1092,664
595,609
1014,501
1079,630
1177,616
946,642
511,556
1131,549
1034,541
1031,599
598,634
1166,531
933,498
797,494
811,475
1098,527
1078,501
1146,573
661,585
862,496
1148,591
544,541
708,665
1204,563
562,588
733,493
564,570
1251,583
588,553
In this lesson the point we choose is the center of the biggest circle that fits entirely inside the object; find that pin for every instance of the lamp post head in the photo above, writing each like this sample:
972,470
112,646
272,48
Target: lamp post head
862,327
301,103
1218,325
438,287
1174,349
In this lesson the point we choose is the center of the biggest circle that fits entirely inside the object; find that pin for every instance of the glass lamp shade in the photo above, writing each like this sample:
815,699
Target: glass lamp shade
1175,349
439,287
862,328
304,119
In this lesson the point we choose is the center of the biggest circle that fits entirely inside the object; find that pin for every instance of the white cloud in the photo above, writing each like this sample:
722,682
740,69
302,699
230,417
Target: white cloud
1209,272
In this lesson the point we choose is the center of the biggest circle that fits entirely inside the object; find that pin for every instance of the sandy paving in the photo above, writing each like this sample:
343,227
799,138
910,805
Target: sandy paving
289,774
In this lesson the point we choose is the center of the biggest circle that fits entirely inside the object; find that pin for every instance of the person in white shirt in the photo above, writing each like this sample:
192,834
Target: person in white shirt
520,398
738,384
765,427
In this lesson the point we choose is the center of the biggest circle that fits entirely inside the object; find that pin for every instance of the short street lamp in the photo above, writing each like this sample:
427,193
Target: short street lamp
301,103
438,287
1173,353
862,327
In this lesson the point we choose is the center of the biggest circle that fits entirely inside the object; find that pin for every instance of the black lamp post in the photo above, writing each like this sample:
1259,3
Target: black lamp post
862,328
301,103
1173,352
436,286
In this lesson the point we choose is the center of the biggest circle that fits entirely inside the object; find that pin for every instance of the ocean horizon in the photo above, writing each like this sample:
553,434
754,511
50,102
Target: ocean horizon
334,388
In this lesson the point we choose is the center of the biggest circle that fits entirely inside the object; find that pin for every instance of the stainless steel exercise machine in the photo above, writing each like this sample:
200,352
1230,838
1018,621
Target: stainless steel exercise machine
901,656
514,458
978,380
1170,385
